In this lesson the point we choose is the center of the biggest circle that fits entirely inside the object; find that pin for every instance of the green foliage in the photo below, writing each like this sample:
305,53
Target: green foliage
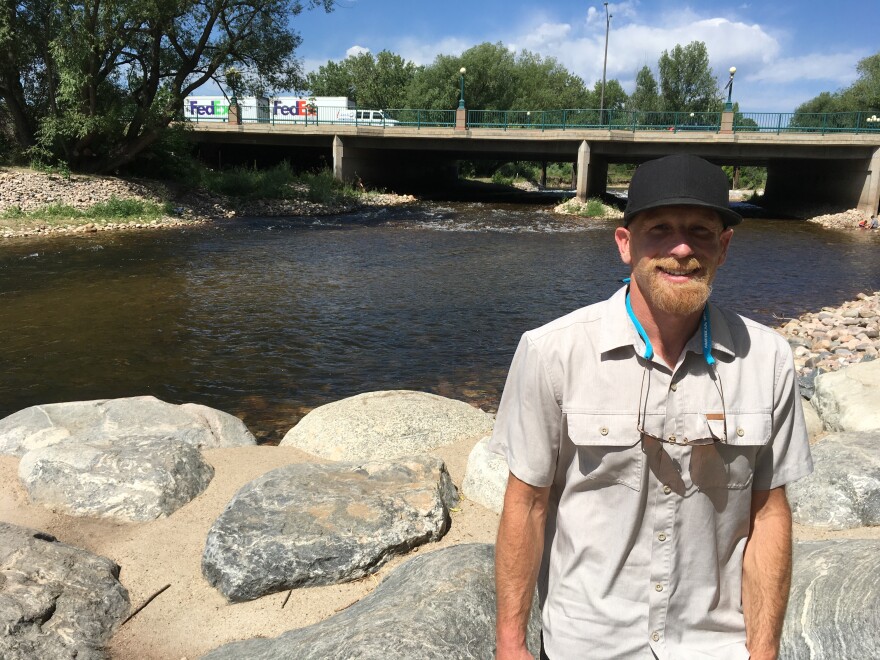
96,84
279,182
371,82
113,209
645,96
497,79
746,177
687,83
593,208
862,96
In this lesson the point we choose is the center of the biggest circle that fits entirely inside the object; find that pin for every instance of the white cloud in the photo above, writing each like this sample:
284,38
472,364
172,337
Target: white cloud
422,52
356,50
834,67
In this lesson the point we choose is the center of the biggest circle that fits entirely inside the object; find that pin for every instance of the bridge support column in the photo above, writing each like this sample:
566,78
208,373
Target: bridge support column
338,154
870,200
583,171
592,173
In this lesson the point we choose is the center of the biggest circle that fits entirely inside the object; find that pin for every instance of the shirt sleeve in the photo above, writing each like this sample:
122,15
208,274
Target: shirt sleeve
786,457
529,420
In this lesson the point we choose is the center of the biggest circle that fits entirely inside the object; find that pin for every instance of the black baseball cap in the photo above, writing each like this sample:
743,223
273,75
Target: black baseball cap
680,180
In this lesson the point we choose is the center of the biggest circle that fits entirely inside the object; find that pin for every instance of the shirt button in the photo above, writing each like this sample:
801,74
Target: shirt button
661,536
604,430
740,432
656,636
673,387
667,490
672,439
658,587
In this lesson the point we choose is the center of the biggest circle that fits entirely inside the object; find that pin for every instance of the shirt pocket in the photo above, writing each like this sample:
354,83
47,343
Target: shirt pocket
731,461
607,448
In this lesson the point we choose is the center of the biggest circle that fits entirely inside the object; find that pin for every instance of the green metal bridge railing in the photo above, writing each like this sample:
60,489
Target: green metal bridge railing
569,119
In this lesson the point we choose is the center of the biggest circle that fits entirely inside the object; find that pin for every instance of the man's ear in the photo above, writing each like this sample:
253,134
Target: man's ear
622,237
725,237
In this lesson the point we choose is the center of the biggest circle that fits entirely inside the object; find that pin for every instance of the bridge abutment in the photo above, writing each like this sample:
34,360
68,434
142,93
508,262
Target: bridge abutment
844,183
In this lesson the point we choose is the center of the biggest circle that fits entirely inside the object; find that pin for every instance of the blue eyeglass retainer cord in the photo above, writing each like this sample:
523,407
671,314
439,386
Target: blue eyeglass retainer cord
705,331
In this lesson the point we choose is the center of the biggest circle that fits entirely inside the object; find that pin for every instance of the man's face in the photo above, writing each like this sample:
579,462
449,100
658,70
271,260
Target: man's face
674,252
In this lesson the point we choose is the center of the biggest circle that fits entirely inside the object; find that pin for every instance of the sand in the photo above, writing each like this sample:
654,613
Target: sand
191,617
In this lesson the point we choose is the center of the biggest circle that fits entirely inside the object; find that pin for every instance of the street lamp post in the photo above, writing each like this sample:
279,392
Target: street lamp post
461,72
728,107
604,65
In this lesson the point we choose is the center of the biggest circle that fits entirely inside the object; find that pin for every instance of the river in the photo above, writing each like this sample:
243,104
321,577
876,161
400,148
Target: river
268,318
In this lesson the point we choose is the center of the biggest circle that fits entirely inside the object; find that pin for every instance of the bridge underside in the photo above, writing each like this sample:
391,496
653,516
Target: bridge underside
799,170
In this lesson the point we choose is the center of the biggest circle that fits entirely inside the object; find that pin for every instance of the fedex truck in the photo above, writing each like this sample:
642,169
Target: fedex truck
310,110
216,108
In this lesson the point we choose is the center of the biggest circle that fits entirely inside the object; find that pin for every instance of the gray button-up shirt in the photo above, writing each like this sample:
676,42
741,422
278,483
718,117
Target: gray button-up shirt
644,540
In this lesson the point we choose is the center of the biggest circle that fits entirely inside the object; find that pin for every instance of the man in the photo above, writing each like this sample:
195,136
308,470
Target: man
649,438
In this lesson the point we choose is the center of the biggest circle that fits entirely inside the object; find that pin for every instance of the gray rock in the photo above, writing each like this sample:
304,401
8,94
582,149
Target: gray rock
811,417
807,380
834,608
486,477
846,400
126,478
307,524
844,489
56,601
145,416
438,606
384,425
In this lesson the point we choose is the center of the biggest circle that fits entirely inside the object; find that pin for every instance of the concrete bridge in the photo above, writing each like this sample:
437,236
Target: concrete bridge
837,168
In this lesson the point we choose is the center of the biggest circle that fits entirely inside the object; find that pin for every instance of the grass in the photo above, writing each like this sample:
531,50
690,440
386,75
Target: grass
594,208
279,182
114,210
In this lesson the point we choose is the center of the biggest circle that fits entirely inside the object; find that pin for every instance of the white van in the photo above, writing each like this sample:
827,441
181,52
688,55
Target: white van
365,118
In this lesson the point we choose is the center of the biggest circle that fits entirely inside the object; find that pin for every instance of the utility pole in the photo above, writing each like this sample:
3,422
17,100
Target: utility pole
604,65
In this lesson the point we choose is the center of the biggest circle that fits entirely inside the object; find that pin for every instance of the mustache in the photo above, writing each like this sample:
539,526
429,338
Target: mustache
669,263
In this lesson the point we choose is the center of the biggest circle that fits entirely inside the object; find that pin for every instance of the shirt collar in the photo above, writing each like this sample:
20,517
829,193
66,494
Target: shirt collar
618,330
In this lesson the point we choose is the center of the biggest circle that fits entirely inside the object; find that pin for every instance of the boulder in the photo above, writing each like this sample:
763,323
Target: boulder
385,425
846,400
844,489
105,419
126,478
56,601
486,477
811,417
438,606
834,609
306,524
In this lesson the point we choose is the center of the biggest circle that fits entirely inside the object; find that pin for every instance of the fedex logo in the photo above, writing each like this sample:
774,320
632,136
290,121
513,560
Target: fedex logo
300,107
213,108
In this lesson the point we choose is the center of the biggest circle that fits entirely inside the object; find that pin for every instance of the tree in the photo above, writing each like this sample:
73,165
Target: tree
371,82
100,80
615,97
862,95
497,79
687,83
545,84
645,97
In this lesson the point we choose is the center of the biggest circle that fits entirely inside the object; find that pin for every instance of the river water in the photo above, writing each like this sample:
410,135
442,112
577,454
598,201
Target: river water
268,318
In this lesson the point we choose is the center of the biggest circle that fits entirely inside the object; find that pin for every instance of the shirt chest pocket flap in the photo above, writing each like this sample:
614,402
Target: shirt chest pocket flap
747,434
607,448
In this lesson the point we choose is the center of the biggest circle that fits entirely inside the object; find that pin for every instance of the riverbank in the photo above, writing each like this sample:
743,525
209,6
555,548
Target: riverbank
43,204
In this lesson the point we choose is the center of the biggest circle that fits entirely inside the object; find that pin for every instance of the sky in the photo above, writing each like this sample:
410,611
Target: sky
785,52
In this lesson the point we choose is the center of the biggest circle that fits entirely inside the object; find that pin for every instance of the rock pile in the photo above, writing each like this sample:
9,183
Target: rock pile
28,191
835,337
849,219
